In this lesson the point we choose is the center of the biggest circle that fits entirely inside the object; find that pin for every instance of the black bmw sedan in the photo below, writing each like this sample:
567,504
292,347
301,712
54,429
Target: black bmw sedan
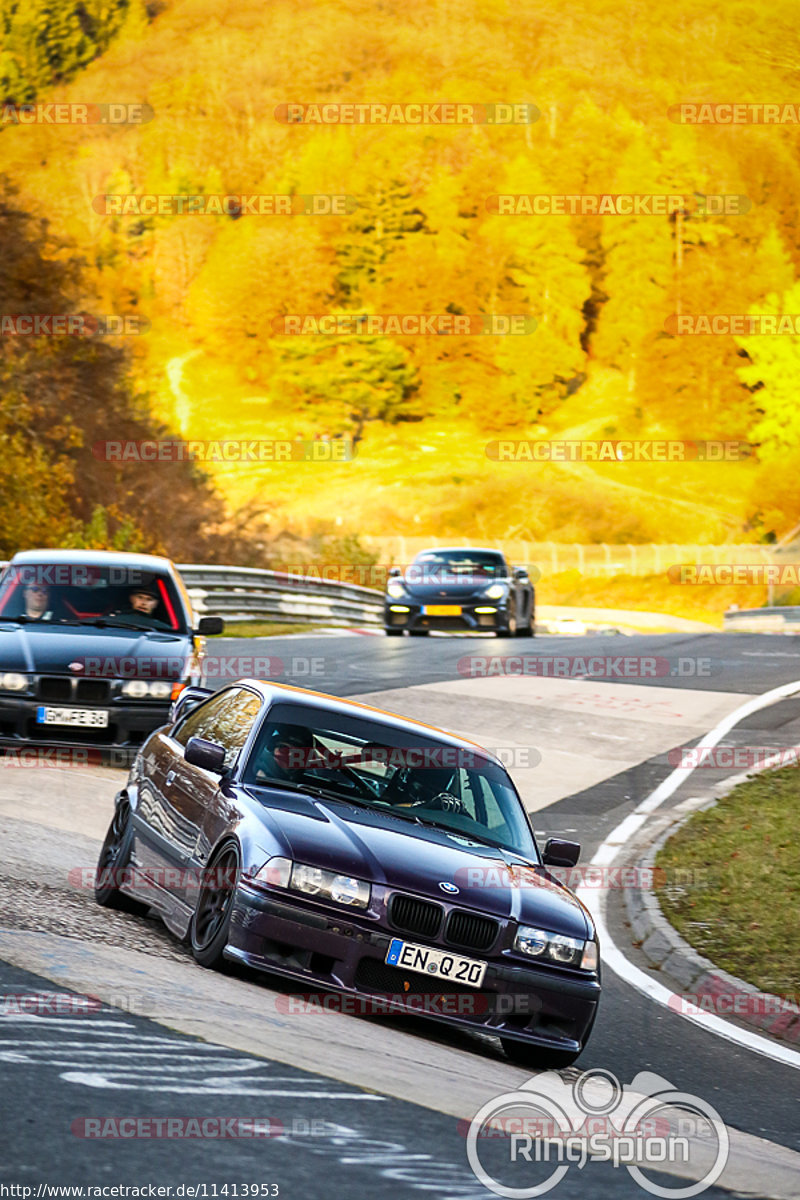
460,589
361,855
94,647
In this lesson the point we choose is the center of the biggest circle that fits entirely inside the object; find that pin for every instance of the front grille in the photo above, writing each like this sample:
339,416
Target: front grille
372,975
92,691
53,687
411,915
470,931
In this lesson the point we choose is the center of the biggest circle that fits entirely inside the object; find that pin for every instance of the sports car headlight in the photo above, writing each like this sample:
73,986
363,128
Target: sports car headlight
12,681
276,872
395,589
342,889
553,947
141,689
495,592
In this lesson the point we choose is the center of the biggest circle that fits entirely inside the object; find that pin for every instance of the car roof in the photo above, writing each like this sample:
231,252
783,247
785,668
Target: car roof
98,558
286,693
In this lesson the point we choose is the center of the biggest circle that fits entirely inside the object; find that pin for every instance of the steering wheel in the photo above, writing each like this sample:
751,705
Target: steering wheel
360,783
446,802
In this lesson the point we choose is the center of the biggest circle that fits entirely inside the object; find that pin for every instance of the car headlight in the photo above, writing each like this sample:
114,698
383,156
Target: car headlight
276,872
495,592
13,681
342,889
395,589
555,947
142,689
314,881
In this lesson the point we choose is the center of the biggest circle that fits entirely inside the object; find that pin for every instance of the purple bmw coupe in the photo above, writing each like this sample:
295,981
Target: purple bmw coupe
359,854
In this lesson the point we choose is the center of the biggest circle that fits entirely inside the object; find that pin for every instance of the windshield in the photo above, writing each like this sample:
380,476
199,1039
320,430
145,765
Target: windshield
86,594
358,759
469,563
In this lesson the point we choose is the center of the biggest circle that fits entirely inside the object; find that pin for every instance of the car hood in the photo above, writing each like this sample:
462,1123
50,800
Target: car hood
392,851
447,587
49,649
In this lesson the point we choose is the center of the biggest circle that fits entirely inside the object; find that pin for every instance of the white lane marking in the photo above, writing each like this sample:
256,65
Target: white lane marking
611,847
60,1022
220,1087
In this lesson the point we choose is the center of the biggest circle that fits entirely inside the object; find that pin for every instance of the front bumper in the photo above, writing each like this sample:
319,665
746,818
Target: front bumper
345,953
129,723
410,614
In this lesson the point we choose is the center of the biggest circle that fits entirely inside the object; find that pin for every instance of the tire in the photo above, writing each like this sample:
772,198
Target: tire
526,631
392,632
538,1058
419,632
114,858
510,629
212,915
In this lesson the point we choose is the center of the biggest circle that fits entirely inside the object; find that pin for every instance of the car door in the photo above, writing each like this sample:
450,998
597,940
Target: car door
164,838
198,804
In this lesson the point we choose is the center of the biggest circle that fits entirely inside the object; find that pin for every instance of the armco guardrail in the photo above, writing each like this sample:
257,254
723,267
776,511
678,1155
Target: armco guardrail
778,619
249,594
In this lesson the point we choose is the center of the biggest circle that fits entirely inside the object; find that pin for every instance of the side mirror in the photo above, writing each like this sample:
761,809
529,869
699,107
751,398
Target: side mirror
558,853
208,626
188,699
521,573
394,572
205,754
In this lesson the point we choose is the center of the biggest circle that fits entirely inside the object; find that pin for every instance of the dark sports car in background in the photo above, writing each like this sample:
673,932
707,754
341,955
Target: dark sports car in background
355,852
94,647
458,589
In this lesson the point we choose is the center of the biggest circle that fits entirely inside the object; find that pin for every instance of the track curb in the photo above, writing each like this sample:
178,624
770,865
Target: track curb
696,981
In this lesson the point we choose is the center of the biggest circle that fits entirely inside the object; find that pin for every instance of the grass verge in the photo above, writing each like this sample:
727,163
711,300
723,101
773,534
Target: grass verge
740,910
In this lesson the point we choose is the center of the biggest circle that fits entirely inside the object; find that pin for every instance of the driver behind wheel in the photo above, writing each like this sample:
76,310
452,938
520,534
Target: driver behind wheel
287,752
